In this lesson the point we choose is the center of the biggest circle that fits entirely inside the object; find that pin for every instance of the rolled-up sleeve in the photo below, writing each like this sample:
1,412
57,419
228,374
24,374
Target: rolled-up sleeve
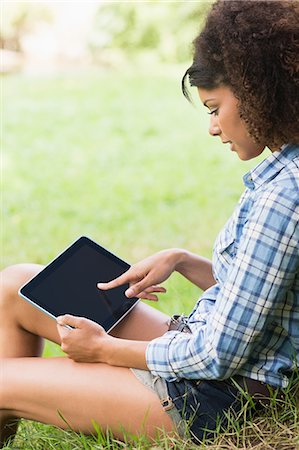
258,279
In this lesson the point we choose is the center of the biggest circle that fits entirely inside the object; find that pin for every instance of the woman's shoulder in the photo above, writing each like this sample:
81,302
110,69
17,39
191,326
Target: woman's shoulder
283,176
281,195
288,177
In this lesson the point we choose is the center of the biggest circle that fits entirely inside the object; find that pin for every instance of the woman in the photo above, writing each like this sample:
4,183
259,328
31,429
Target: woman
243,333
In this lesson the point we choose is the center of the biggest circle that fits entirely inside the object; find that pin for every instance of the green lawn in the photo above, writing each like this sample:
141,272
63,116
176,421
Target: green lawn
121,158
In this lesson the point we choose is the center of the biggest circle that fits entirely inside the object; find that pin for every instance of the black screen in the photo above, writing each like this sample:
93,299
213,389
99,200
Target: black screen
69,285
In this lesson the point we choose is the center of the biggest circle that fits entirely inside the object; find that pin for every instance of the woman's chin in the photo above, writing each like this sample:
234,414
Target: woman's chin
246,154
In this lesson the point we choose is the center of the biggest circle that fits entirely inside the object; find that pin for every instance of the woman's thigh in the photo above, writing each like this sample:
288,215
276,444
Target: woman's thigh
46,390
142,323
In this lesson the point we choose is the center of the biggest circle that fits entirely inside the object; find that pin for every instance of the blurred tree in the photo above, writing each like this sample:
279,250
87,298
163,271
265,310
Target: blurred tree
17,19
165,28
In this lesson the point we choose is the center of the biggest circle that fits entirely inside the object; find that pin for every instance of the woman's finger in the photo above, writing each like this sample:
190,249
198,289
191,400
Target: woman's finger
155,289
125,278
148,296
71,321
136,288
148,293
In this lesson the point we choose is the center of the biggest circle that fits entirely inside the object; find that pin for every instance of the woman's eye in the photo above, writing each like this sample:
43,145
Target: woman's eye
215,111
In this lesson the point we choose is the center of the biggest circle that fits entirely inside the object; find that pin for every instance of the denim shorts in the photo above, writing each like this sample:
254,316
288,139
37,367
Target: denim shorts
196,407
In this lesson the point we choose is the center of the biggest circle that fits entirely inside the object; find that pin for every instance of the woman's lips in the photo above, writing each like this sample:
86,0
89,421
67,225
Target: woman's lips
231,145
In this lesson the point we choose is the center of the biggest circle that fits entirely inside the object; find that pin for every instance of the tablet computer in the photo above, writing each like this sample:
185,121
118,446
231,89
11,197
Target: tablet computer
68,285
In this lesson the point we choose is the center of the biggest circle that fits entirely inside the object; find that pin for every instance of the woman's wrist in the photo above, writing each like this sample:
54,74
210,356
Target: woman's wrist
181,257
107,349
195,268
125,353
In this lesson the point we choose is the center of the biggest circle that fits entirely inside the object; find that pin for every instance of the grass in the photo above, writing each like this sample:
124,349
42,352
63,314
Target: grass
124,159
277,428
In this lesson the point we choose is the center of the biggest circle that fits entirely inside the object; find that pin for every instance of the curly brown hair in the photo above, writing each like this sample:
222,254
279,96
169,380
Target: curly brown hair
253,48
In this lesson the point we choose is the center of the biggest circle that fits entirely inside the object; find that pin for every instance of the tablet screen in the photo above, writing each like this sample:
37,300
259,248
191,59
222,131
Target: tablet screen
68,285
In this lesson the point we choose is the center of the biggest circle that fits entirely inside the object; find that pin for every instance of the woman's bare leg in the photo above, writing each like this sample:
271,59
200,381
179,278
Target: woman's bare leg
23,327
82,393
143,323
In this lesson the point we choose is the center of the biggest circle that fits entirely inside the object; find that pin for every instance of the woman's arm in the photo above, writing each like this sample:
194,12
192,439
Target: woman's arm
145,276
126,353
88,342
257,294
196,269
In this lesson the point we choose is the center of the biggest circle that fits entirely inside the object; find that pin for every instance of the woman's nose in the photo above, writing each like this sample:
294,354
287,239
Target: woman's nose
214,129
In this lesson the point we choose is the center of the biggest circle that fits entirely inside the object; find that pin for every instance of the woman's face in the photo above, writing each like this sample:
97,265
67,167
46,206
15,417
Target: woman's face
226,122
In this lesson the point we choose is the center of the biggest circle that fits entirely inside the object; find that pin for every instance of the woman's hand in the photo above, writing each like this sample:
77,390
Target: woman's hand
144,277
86,342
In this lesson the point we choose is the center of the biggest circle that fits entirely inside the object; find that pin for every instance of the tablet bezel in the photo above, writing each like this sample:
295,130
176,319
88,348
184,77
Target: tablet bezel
25,290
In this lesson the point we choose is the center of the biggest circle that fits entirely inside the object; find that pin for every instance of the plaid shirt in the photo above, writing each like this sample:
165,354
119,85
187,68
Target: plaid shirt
248,322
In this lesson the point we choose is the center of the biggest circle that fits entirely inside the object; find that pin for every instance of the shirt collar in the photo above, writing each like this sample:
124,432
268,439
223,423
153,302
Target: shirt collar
271,166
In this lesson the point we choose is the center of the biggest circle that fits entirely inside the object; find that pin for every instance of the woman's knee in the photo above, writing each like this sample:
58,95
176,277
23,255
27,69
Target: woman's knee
13,277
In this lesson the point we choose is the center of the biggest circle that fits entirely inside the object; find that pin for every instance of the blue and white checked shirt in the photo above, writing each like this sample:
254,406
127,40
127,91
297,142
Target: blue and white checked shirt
248,322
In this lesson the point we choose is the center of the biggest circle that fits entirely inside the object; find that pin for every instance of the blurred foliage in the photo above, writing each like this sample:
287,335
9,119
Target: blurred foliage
163,28
19,18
